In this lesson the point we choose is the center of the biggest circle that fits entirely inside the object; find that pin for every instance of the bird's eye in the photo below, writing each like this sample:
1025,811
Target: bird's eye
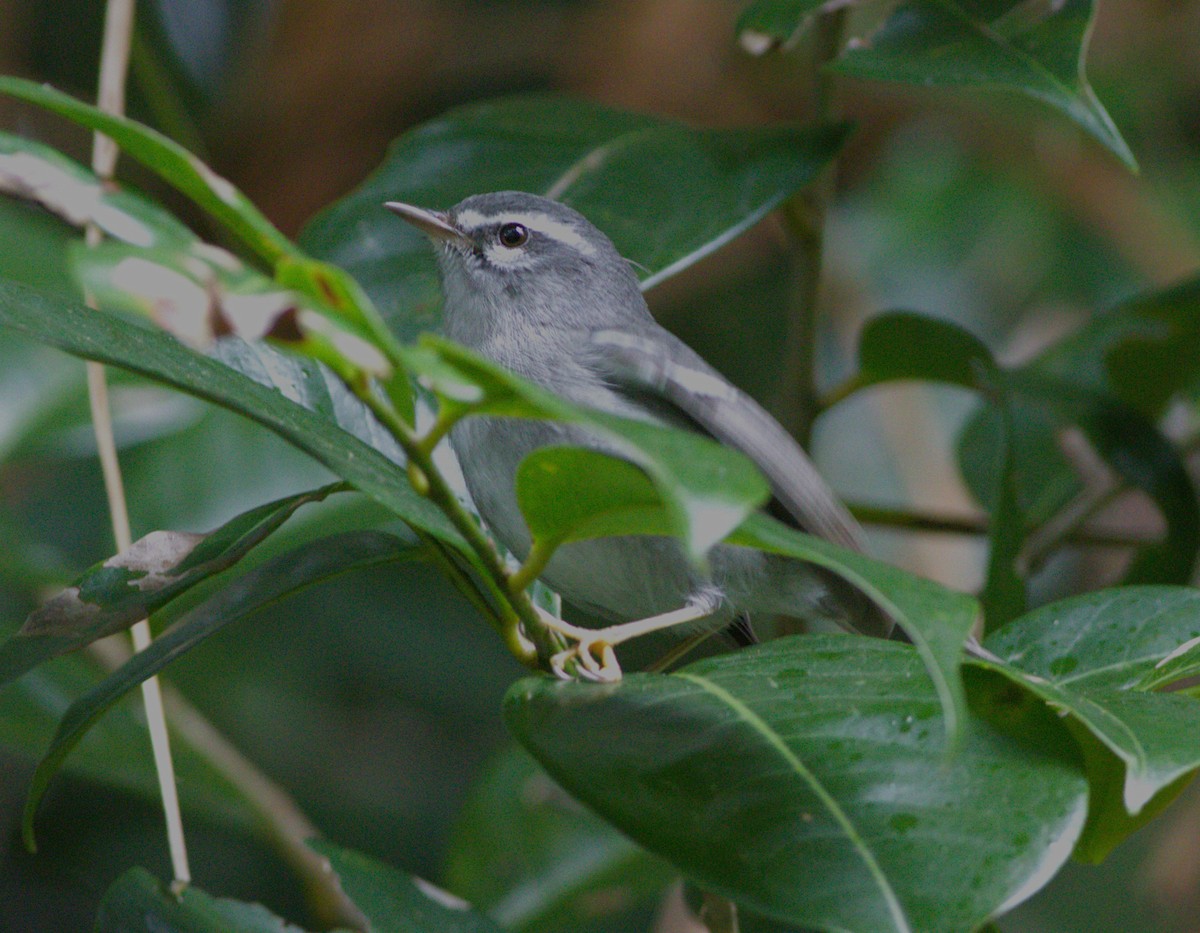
514,235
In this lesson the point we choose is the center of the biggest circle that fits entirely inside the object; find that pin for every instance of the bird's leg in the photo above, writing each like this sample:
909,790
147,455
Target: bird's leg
593,647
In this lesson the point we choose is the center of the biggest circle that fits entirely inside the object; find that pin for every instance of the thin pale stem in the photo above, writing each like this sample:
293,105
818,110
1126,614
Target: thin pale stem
282,821
114,66
977,525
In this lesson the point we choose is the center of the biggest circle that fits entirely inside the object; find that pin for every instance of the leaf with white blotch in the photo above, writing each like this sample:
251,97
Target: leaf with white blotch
1032,47
1088,656
393,901
667,194
168,159
806,780
329,289
120,591
273,581
199,293
36,172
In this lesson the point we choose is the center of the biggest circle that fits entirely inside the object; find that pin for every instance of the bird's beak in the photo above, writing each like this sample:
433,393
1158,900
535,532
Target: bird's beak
431,223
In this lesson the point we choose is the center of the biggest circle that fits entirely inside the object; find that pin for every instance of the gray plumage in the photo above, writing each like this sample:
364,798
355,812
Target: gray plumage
533,286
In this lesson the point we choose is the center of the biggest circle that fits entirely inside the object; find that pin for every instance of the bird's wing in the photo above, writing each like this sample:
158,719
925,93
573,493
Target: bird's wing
654,361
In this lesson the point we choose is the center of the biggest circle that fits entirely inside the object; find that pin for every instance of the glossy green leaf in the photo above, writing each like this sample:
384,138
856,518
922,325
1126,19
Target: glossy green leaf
1033,49
1088,656
938,620
706,489
1109,639
803,779
535,860
114,594
902,345
1181,664
665,193
264,586
395,902
137,902
313,412
1109,821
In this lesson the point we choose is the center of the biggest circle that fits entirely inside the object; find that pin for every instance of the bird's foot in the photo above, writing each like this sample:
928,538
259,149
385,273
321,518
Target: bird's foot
592,650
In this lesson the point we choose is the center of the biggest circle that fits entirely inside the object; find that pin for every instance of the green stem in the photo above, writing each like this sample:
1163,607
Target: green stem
539,556
515,610
804,218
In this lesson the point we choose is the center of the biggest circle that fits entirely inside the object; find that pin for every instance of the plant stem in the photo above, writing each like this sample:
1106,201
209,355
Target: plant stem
516,611
114,66
281,820
977,525
804,218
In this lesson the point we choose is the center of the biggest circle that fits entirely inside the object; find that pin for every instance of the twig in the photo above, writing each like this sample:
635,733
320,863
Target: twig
977,525
114,66
282,821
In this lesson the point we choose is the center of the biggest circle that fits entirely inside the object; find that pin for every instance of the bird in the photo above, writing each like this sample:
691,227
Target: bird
532,285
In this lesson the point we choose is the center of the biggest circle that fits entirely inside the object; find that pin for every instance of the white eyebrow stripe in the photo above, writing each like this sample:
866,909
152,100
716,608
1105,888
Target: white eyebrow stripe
535,221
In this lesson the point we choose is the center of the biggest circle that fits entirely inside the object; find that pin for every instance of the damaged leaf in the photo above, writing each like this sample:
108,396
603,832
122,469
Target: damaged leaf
114,594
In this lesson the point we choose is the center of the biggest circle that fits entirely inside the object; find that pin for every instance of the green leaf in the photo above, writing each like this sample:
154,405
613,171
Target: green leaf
802,779
1145,351
137,902
116,753
1004,594
395,902
264,586
1088,657
937,620
902,345
665,193
1109,639
767,24
1140,455
530,856
706,488
569,494
1035,49
301,406
169,160
113,595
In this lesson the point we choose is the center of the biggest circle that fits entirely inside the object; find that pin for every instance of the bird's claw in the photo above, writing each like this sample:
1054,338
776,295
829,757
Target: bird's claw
594,659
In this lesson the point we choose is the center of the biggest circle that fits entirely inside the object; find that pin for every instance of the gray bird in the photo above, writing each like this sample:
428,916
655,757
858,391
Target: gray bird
532,285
